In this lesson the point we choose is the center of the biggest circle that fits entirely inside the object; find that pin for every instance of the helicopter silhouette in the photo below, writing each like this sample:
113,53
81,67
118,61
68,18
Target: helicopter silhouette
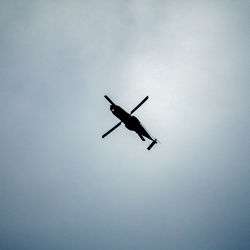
130,122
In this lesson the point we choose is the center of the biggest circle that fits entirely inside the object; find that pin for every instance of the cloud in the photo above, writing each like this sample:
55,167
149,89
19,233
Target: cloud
62,186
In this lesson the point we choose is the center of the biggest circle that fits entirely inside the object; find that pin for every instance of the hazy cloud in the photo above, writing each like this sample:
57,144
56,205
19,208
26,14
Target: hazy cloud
62,186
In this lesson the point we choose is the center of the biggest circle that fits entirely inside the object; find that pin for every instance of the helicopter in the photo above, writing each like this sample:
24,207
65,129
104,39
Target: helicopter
131,122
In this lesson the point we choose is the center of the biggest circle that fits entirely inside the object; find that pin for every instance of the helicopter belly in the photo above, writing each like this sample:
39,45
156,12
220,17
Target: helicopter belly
134,124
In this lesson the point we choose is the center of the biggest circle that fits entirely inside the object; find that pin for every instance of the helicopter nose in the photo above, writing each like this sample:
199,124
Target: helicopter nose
112,108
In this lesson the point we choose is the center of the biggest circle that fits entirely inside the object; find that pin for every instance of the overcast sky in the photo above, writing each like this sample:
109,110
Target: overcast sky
64,187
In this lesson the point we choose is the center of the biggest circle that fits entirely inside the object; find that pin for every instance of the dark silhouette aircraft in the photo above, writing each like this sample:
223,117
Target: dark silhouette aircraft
131,122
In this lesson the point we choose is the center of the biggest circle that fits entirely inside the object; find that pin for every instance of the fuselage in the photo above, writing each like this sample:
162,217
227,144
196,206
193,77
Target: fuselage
131,122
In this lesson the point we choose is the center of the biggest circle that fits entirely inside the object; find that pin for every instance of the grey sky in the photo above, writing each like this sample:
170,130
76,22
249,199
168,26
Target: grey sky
62,186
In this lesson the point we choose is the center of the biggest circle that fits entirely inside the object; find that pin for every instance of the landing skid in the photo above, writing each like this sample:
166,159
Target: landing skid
142,138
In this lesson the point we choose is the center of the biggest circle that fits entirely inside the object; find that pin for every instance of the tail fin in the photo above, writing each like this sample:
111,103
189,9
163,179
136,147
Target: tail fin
152,144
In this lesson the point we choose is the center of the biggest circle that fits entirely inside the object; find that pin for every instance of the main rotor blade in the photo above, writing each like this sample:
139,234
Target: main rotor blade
109,100
144,100
116,126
